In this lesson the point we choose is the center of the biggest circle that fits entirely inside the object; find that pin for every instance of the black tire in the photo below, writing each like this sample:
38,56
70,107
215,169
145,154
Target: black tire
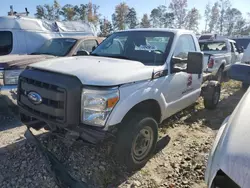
244,86
211,101
219,75
129,132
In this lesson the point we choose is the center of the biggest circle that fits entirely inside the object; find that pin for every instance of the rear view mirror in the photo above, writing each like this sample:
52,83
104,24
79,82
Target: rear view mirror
82,53
241,49
240,72
94,47
195,63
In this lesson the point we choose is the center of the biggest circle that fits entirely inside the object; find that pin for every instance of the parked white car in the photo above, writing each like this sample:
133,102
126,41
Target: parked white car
229,160
132,81
219,55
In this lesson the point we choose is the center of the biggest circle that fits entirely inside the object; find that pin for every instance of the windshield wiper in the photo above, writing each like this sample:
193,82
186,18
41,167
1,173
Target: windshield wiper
119,57
37,53
111,56
93,54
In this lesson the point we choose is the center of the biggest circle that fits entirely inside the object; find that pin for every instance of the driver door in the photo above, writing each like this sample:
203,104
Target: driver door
183,89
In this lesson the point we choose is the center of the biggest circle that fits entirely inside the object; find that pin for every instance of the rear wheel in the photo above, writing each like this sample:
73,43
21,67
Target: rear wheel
219,75
136,141
211,99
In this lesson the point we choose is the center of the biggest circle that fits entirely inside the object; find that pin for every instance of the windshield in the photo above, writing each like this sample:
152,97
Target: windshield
213,46
242,42
6,42
148,47
57,47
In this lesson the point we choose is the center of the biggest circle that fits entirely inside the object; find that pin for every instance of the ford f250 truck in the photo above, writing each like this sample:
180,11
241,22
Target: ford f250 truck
129,84
219,55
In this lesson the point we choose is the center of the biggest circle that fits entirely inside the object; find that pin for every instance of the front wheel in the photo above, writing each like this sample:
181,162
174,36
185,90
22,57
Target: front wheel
136,141
212,98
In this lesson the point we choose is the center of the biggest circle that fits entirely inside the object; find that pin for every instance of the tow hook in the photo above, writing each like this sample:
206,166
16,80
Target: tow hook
60,173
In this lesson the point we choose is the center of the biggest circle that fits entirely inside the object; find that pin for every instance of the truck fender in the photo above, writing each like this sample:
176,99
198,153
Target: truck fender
130,99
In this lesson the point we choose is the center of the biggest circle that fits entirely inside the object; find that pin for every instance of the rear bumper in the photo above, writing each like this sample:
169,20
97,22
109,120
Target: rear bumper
9,93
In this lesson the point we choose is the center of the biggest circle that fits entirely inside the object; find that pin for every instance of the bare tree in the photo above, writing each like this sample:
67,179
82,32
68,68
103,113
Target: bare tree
56,7
207,15
50,12
40,12
81,12
160,17
232,17
192,20
145,22
240,28
119,17
105,28
215,12
155,17
169,20
224,5
179,8
131,18
68,12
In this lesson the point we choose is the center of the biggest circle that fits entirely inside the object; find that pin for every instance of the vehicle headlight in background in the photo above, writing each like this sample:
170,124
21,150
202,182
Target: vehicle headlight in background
11,76
96,105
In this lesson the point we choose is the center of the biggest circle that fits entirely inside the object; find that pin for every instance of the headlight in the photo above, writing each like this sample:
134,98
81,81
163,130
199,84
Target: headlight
11,76
97,105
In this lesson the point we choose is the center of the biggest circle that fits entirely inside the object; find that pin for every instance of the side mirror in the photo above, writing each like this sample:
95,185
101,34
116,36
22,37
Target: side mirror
82,53
240,72
241,49
94,47
195,63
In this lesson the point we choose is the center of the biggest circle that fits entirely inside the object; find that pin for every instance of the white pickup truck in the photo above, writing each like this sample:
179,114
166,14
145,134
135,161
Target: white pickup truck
219,55
129,84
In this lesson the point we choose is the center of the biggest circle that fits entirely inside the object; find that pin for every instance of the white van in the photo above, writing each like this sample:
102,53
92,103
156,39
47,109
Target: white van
24,35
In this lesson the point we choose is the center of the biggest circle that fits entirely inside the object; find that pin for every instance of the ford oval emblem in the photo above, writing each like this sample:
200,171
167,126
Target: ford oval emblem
34,97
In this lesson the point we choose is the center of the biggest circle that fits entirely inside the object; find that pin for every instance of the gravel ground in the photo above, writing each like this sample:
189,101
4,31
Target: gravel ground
179,161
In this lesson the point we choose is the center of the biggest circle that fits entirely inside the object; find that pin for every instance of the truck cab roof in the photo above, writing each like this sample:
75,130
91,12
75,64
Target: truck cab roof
217,40
175,31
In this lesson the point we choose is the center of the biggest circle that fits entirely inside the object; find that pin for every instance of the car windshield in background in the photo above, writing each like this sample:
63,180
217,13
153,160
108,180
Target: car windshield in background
213,46
150,48
6,42
242,42
56,47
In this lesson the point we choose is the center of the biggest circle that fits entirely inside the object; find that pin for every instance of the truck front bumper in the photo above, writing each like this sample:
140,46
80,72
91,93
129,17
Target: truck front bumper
9,93
88,133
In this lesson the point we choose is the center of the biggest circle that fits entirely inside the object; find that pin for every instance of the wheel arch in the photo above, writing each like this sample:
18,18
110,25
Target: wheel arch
149,106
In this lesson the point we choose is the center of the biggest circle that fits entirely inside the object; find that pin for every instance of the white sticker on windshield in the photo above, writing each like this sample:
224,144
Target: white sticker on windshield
146,48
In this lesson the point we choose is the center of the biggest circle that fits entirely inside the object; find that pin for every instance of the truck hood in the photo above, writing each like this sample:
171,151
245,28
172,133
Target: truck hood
21,61
233,152
98,71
